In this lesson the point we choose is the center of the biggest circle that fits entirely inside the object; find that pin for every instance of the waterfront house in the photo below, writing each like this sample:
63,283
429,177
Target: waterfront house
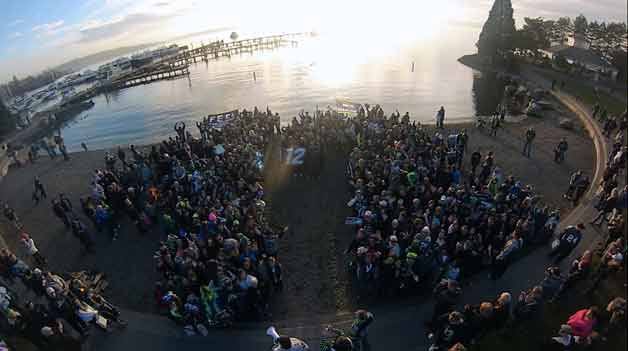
579,56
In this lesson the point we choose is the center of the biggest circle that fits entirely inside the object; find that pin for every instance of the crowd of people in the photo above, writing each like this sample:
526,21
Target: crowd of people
424,220
466,327
52,311
218,258
422,215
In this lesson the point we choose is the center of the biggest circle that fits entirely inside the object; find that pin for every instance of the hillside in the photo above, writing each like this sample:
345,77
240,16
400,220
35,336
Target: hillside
82,62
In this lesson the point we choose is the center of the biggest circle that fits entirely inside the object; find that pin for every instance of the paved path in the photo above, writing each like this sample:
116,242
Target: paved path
399,326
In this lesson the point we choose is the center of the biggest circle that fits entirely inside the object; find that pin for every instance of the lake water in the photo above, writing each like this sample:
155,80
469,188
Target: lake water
316,73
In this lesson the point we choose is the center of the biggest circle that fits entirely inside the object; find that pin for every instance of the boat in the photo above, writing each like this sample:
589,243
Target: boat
141,59
67,94
114,69
48,95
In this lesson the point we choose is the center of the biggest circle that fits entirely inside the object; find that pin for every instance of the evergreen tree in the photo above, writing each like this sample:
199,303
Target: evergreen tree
580,25
7,120
497,35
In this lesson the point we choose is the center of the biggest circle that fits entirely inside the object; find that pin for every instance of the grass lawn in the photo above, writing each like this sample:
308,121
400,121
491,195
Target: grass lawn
587,95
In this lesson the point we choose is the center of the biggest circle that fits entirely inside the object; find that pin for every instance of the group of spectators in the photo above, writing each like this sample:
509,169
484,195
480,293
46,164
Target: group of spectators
420,217
586,327
51,311
218,258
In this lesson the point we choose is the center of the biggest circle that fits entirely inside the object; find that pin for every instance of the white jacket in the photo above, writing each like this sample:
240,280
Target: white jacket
29,245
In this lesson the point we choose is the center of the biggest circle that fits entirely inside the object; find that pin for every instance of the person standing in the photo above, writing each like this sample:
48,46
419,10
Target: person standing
606,206
494,125
39,188
566,242
580,187
476,158
359,328
79,230
57,208
440,118
446,294
561,149
529,137
66,205
573,181
31,249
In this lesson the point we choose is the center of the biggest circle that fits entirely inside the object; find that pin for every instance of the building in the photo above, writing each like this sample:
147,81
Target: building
577,53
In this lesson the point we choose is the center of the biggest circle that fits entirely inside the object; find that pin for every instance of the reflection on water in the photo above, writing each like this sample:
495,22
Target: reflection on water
287,80
488,90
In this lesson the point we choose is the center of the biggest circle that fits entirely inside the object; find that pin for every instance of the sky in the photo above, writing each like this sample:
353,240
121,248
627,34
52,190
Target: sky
37,34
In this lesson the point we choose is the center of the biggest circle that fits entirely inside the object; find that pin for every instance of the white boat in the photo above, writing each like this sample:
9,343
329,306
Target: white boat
114,69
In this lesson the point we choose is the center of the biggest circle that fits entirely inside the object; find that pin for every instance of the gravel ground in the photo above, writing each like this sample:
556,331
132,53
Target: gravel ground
316,282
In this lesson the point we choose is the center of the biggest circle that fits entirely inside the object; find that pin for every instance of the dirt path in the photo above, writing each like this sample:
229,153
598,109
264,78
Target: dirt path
314,212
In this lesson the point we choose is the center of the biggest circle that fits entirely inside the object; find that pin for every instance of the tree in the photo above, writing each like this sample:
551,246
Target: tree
580,24
619,60
498,32
7,120
534,35
561,30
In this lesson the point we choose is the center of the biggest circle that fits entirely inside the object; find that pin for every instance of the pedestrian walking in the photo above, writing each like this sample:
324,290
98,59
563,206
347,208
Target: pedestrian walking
561,149
58,210
39,188
529,137
11,216
80,231
31,249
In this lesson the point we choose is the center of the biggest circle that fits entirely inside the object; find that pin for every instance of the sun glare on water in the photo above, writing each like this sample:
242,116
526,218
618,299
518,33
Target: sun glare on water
350,32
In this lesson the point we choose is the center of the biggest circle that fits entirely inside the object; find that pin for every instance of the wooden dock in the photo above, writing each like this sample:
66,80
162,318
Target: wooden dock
218,49
147,76
178,65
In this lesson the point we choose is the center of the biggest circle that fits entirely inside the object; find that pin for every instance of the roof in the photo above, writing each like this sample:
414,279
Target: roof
579,55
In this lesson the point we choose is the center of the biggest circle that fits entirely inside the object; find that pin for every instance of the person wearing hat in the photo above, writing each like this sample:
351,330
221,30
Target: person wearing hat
566,242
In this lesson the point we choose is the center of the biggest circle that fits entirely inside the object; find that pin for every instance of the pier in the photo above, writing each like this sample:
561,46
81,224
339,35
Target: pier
218,49
178,65
147,76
